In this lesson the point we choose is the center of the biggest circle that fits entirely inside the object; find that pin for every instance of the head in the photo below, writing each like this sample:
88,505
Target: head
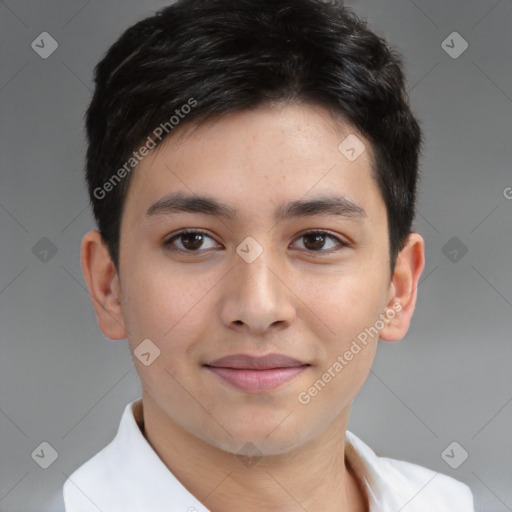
287,119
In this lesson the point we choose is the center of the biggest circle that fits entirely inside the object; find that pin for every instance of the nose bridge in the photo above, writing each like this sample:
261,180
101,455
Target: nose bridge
256,278
257,296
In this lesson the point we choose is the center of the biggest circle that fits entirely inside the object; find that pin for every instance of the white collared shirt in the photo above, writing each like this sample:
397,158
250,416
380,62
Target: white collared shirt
128,476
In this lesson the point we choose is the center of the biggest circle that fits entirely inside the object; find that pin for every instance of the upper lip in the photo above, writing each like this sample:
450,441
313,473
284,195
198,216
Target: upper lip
246,362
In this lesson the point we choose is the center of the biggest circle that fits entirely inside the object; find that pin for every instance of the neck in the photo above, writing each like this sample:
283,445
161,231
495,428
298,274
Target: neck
316,476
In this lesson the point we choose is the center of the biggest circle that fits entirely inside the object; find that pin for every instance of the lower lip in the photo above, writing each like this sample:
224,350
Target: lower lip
257,380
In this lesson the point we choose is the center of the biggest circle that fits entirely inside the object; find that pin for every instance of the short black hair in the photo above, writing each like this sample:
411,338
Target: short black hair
200,59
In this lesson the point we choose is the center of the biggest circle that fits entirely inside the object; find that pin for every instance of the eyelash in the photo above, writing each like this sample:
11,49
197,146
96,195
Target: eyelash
168,242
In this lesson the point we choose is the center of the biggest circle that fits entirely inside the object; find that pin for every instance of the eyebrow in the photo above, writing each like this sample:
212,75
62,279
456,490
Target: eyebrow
323,205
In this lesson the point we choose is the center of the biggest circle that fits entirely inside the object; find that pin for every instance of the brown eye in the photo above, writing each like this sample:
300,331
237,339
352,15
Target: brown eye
315,241
190,240
193,241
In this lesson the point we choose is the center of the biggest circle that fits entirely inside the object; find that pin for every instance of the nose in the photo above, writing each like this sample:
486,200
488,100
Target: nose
258,298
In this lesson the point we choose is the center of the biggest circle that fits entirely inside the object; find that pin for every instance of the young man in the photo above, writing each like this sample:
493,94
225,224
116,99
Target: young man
252,167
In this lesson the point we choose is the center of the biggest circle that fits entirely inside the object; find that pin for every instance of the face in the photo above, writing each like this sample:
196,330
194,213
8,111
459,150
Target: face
253,306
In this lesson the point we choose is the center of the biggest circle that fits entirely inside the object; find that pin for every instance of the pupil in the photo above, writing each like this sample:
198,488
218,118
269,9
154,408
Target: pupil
318,238
190,236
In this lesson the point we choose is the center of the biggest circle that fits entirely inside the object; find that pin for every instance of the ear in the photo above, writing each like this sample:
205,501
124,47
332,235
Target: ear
403,288
103,283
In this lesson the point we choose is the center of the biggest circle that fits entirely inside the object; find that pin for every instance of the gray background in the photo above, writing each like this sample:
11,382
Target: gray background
449,380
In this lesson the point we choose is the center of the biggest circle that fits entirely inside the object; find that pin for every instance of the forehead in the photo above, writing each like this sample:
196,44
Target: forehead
255,161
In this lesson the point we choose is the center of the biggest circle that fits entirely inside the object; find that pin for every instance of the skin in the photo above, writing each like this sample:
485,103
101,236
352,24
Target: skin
290,300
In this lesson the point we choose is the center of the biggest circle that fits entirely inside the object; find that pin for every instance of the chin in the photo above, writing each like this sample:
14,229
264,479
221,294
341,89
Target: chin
260,440
258,447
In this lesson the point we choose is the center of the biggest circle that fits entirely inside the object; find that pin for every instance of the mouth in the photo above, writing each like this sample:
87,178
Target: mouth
256,374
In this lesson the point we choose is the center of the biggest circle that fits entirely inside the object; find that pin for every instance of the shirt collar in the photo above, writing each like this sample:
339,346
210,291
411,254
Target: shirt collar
360,457
129,475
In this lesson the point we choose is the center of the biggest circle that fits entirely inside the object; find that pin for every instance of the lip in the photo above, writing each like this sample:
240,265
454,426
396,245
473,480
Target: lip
255,374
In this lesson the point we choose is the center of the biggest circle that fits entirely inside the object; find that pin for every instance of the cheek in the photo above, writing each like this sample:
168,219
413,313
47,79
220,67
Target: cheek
343,304
349,304
348,308
168,308
165,309
157,298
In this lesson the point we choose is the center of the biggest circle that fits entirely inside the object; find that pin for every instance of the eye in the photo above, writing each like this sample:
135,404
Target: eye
191,240
316,240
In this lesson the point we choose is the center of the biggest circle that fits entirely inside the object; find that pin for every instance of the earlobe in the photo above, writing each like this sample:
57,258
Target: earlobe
403,288
103,283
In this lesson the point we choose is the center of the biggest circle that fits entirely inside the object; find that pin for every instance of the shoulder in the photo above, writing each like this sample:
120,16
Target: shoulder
98,481
432,488
86,484
393,483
